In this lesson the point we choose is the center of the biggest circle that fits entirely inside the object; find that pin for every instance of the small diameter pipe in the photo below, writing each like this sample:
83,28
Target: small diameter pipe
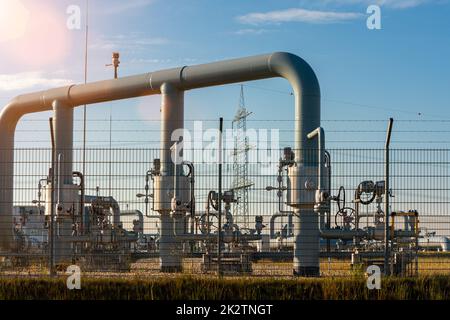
319,132
386,199
58,177
52,203
279,215
40,193
174,149
147,175
328,233
191,174
280,190
342,234
82,186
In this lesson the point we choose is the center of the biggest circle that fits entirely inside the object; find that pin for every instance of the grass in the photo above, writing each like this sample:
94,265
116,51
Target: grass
429,265
210,288
271,280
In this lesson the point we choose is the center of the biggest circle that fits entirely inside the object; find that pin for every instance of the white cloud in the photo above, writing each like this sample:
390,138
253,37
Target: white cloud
119,7
298,15
29,80
397,4
402,4
130,41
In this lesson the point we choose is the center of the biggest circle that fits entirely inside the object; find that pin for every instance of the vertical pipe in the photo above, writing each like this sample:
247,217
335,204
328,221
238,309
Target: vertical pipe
82,190
219,204
309,159
147,178
306,260
307,243
52,204
63,130
320,134
59,179
63,134
172,118
387,253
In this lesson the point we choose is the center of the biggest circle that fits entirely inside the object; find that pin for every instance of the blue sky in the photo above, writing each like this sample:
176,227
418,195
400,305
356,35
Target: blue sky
401,71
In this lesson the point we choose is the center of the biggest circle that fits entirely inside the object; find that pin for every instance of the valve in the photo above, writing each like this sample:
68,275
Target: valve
365,192
288,157
321,201
259,224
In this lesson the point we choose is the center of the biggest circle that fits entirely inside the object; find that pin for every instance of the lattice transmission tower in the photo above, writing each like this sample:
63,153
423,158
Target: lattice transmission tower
241,182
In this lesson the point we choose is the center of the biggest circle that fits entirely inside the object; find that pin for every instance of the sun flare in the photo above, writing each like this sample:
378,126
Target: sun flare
39,28
13,20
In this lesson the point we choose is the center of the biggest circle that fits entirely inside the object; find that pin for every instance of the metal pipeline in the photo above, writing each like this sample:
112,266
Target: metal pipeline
319,132
342,234
137,213
82,190
280,215
280,64
149,175
191,174
40,193
320,197
113,204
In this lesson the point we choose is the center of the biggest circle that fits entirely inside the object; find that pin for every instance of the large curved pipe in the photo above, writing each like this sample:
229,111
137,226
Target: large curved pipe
291,67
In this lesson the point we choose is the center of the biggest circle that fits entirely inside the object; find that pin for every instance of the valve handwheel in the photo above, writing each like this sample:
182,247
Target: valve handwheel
365,192
340,199
345,217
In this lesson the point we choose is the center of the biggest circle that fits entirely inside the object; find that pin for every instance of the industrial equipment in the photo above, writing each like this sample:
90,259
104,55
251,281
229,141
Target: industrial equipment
88,228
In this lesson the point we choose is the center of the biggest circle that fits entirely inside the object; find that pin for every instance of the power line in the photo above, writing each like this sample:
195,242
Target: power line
345,102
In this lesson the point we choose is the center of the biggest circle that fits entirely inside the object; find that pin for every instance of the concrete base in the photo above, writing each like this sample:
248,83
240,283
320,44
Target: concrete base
307,272
170,248
63,252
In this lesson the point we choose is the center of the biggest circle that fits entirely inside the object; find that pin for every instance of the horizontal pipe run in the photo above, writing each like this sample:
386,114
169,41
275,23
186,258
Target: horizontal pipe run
342,234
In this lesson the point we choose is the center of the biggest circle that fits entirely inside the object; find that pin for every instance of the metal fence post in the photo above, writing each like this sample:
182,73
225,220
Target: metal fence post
387,253
219,204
